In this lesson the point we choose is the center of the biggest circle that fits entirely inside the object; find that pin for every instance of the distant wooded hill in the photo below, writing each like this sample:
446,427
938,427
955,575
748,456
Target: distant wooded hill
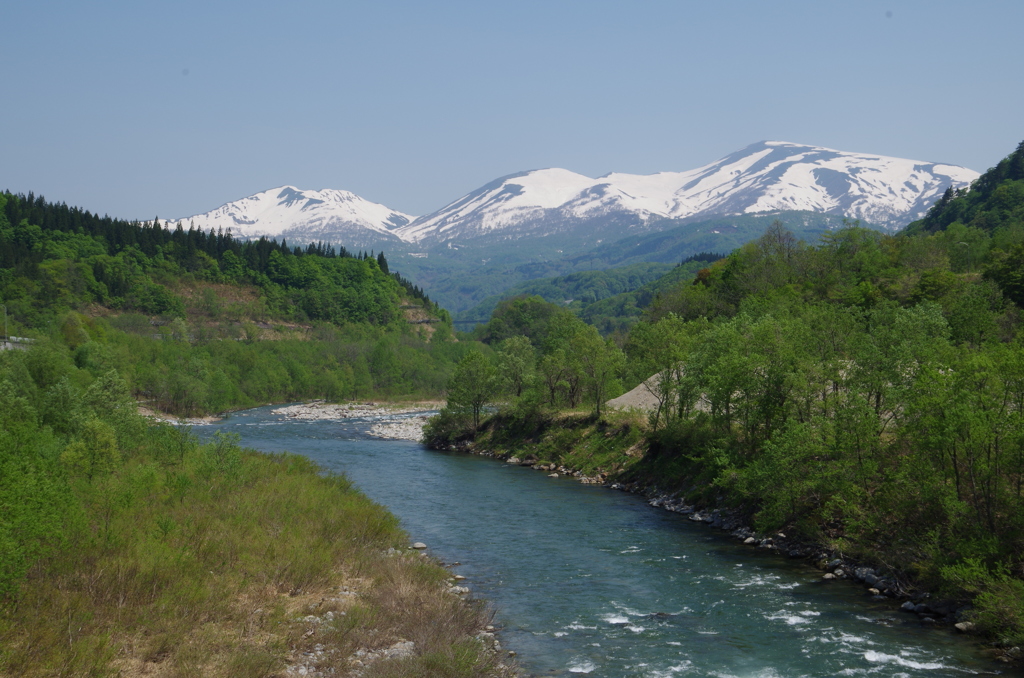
462,281
55,258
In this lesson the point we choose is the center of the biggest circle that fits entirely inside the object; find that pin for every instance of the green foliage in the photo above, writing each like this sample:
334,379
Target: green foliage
529,317
999,598
471,387
516,365
94,452
994,201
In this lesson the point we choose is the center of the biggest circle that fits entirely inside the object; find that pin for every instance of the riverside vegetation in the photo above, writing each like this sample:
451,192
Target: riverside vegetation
865,393
128,548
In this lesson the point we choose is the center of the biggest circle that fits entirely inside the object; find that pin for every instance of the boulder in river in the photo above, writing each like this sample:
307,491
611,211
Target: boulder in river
419,545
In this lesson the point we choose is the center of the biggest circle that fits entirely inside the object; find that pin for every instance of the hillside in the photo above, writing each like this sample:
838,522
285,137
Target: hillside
200,322
60,258
994,201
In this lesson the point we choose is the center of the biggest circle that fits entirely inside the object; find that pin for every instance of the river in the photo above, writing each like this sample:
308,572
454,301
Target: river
590,581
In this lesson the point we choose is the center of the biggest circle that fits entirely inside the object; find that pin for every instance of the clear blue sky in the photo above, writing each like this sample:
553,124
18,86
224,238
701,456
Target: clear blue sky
142,108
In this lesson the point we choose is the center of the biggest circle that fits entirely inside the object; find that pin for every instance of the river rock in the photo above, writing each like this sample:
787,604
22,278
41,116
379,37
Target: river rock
964,627
419,546
749,540
908,607
833,564
828,576
513,460
552,475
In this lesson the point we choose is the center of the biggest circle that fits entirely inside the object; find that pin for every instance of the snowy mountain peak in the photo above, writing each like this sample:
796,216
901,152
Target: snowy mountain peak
305,216
768,176
763,177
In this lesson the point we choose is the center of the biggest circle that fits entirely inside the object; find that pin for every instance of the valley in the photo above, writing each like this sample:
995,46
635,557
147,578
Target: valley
852,388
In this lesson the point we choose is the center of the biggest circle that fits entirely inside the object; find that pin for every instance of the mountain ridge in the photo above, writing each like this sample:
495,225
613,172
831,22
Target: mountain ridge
763,177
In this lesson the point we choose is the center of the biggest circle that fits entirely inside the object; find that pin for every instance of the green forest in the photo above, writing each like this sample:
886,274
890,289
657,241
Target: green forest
865,391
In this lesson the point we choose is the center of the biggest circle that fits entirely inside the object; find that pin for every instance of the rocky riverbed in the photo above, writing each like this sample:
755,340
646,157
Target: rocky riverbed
395,422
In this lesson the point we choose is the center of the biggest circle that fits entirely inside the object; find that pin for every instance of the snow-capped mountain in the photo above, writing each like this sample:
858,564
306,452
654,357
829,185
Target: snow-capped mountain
764,177
769,176
330,215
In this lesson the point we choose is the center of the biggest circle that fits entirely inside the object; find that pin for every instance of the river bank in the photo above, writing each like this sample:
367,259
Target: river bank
613,453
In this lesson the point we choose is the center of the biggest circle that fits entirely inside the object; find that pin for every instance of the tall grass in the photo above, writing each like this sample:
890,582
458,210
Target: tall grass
202,560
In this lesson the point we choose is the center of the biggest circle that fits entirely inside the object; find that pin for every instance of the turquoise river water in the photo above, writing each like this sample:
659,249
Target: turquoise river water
585,580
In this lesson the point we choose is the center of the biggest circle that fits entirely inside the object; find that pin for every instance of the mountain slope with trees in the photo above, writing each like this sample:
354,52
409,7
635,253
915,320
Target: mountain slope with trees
994,200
